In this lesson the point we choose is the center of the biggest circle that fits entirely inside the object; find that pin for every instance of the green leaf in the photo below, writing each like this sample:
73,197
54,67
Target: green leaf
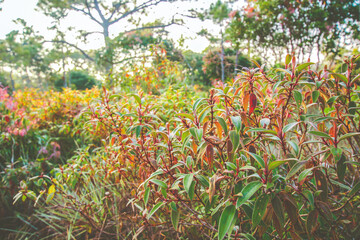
225,221
146,195
315,95
352,107
294,169
304,174
320,134
348,135
230,165
137,98
138,130
262,130
258,159
340,76
331,100
283,70
223,124
193,132
259,209
336,152
197,104
186,115
175,217
287,59
247,192
154,209
192,190
298,98
159,183
235,139
289,126
275,164
302,66
237,122
188,179
355,189
203,180
295,147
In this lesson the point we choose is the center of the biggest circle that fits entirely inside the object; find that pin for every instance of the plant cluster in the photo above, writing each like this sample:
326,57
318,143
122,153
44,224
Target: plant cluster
273,155
152,78
39,130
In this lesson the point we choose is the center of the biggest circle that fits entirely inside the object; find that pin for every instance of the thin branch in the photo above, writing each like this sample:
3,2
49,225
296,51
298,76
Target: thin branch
88,13
74,46
151,27
117,7
98,10
136,9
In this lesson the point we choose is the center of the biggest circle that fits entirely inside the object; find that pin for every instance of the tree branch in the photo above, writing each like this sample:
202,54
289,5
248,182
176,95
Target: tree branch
74,46
151,27
88,13
98,10
136,9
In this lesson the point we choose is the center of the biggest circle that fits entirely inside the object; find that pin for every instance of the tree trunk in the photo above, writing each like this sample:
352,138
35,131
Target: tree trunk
222,58
39,81
28,84
108,53
236,62
69,78
12,81
64,73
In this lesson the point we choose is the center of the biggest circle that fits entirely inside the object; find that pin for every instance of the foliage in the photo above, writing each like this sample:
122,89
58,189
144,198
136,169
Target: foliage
39,131
127,14
79,79
270,155
103,204
304,27
212,63
152,76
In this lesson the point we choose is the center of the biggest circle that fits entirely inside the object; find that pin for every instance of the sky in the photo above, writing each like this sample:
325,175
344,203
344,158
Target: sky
25,9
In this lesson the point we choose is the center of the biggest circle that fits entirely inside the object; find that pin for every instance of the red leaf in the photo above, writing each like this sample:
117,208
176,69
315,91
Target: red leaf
332,131
210,155
246,101
253,102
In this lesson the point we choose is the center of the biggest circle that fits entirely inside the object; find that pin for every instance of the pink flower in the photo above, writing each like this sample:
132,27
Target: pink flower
22,132
56,154
232,14
43,150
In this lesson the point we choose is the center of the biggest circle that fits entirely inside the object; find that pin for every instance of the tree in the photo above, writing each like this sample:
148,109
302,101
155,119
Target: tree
105,14
213,65
218,13
302,27
80,80
23,50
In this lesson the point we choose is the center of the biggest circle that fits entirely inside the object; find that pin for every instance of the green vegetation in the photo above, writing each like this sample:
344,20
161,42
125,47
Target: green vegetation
142,139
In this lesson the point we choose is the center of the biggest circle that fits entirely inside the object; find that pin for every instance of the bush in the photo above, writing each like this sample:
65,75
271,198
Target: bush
79,80
38,131
271,155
